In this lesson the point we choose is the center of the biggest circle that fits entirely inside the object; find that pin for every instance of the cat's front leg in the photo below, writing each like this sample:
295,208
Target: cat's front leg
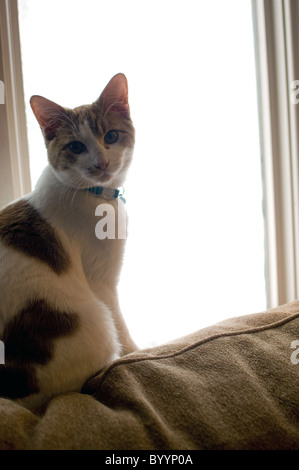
127,343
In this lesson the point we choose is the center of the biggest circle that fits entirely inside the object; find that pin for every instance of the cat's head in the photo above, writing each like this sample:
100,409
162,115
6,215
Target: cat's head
91,145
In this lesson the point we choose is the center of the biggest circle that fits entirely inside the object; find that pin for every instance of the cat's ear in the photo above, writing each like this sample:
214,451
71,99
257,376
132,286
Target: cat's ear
115,95
48,114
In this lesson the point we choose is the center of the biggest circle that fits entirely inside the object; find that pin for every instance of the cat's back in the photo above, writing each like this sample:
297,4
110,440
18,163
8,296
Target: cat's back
50,322
31,251
23,229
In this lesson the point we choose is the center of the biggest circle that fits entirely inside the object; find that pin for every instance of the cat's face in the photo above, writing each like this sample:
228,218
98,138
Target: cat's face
91,145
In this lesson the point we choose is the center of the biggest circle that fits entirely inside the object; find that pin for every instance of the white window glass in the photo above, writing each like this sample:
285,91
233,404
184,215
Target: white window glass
195,251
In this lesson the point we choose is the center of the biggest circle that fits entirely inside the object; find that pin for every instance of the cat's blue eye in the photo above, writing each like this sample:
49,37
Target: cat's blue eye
111,137
77,147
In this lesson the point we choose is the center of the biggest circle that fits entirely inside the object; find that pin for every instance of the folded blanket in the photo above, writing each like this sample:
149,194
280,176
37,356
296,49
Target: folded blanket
233,385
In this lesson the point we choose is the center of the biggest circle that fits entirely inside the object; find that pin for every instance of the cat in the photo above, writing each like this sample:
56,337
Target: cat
60,319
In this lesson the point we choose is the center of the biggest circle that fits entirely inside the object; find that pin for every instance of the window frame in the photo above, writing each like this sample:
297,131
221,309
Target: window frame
276,50
17,142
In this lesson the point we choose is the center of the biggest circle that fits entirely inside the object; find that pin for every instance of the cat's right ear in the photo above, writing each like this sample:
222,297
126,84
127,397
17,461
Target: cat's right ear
48,114
114,97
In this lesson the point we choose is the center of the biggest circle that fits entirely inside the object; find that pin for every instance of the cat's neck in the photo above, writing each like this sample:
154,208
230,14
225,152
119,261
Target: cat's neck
49,189
59,203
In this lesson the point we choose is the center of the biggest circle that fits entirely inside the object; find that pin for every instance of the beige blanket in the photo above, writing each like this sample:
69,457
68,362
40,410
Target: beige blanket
233,385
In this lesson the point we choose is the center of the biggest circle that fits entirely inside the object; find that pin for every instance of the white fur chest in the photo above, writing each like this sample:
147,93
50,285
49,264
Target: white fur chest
94,229
102,248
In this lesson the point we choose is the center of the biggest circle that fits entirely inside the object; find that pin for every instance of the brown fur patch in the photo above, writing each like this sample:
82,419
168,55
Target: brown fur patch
23,228
17,382
29,341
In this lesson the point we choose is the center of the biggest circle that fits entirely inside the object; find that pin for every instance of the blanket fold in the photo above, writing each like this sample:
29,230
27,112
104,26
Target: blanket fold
233,385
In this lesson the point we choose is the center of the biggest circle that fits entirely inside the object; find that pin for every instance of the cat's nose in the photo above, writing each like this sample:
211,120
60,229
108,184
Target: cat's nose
102,165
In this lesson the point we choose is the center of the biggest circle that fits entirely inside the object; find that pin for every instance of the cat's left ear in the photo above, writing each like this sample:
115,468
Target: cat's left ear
48,114
115,95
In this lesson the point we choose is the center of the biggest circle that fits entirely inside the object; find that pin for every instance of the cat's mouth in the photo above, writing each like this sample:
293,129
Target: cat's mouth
100,177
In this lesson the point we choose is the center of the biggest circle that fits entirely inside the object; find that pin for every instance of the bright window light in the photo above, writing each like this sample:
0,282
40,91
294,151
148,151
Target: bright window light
195,250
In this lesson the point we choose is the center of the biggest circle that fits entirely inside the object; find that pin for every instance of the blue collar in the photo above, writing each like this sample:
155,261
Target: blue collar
107,193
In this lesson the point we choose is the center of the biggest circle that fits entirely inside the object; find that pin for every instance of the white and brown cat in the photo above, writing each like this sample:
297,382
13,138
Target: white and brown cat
60,319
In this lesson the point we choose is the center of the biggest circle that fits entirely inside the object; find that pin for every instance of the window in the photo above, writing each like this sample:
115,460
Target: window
276,31
14,162
195,253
